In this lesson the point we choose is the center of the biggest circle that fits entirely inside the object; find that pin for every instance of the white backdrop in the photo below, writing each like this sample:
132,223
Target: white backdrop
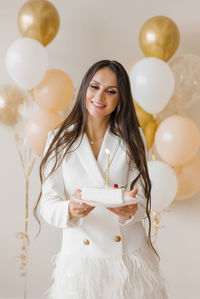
92,30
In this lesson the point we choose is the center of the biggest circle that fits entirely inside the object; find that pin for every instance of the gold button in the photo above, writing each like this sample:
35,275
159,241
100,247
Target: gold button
86,242
117,238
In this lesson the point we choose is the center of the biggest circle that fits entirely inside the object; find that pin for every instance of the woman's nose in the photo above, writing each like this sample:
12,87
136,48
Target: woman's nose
100,95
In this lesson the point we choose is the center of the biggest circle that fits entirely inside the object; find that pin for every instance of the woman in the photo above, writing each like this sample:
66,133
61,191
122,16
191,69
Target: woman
105,253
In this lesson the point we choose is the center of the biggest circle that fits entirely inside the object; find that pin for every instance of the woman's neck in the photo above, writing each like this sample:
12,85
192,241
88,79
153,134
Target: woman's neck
96,128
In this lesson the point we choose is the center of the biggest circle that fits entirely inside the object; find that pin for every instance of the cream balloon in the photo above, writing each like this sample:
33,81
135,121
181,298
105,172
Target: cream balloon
164,185
38,126
177,140
152,84
26,62
55,91
131,65
188,178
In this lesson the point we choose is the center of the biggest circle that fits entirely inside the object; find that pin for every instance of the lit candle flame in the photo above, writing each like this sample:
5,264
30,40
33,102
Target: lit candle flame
107,151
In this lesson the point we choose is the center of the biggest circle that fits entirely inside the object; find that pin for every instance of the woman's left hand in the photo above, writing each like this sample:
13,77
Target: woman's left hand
127,211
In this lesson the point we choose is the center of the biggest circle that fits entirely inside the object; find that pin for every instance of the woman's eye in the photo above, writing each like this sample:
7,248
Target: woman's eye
94,86
111,91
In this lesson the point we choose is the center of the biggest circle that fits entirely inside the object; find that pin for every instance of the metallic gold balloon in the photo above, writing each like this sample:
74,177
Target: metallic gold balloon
159,37
39,19
143,116
148,124
150,131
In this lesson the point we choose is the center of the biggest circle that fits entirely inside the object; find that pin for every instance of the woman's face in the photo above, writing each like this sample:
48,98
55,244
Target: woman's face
102,94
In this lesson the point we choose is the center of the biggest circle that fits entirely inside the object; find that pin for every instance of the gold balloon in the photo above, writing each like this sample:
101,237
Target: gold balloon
39,19
143,116
148,123
11,98
159,37
150,131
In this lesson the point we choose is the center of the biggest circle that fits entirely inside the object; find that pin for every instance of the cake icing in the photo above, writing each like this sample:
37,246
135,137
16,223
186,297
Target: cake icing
103,195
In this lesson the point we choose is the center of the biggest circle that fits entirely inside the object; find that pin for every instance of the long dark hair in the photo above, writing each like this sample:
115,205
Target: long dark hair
123,123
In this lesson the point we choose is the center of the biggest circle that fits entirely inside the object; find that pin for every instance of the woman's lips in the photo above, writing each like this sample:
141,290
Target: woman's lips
98,105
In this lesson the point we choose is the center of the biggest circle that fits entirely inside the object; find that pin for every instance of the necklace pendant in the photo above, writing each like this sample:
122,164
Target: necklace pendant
91,142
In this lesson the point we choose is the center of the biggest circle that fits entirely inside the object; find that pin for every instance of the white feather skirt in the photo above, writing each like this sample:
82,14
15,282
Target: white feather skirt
132,276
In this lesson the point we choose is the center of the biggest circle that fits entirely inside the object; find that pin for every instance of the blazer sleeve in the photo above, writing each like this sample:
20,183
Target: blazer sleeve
54,201
141,210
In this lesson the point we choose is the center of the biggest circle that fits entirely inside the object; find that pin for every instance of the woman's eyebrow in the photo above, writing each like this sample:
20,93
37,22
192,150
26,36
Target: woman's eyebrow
110,86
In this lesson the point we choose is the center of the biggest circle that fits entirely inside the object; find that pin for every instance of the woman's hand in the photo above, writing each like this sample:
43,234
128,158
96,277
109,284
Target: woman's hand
76,208
127,211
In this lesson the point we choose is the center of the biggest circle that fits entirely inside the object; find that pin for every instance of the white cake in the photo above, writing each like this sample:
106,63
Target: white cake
103,195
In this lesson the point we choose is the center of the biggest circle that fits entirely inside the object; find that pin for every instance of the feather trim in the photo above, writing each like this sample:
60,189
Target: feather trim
133,276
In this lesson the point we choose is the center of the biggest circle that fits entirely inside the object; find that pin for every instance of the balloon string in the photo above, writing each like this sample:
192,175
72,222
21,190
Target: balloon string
27,162
153,154
157,226
25,287
156,117
27,216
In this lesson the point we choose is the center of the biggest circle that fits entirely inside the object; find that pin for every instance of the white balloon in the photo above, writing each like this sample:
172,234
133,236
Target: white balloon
152,84
26,62
164,185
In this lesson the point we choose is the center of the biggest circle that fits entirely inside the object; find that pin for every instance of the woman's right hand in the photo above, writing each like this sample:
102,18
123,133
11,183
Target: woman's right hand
77,208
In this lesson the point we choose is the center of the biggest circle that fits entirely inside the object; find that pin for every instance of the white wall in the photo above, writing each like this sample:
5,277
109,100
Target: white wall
92,30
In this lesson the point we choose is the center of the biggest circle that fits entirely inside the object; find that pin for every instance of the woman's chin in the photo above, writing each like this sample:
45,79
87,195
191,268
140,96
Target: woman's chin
96,114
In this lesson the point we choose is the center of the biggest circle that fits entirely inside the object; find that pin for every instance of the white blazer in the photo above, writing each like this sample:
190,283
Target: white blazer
101,233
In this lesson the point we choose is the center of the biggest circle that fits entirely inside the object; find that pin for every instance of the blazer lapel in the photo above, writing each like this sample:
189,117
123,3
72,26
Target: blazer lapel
96,169
88,161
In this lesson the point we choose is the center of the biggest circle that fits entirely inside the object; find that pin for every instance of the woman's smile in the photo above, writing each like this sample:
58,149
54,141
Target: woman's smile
98,105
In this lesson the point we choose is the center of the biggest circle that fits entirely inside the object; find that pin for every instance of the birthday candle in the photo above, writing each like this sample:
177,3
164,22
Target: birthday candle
108,165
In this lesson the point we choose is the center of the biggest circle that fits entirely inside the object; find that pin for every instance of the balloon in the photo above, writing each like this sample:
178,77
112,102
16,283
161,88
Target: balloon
177,140
148,124
150,131
159,37
130,66
39,19
186,69
55,91
26,62
164,185
38,126
152,84
188,178
14,105
143,116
